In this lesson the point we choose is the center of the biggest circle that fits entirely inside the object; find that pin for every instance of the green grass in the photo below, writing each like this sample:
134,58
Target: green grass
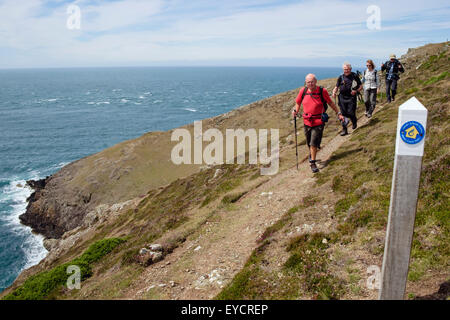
440,77
309,259
244,284
231,178
232,198
41,285
411,90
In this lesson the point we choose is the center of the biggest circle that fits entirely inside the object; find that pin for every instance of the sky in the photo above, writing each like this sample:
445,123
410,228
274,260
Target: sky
101,33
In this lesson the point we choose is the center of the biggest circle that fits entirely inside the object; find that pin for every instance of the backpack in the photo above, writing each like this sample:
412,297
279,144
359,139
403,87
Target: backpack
324,103
397,69
345,87
375,74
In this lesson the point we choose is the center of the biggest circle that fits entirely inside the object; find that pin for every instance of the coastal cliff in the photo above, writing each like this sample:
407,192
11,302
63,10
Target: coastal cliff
131,168
225,231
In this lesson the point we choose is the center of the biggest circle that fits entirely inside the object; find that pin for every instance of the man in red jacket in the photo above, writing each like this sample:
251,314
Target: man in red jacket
313,107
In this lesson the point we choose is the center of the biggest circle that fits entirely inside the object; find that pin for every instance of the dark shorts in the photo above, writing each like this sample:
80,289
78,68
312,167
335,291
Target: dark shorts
314,135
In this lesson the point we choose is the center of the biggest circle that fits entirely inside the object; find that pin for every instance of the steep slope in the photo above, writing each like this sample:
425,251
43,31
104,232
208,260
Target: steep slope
341,224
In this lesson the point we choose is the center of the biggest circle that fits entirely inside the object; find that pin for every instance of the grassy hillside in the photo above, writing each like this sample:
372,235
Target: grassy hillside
347,202
357,181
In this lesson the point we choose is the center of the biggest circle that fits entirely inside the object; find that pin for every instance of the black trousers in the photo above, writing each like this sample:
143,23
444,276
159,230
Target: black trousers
391,89
348,107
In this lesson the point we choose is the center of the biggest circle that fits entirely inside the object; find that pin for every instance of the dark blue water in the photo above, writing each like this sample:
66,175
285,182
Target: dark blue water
50,117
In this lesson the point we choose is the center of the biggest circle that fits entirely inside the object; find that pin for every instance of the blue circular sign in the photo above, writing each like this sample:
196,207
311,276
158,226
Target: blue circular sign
412,132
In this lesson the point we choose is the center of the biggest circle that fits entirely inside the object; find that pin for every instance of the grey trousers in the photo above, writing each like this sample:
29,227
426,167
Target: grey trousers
370,99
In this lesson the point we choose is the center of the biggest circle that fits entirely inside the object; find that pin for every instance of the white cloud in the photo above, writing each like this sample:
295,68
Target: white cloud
138,31
106,16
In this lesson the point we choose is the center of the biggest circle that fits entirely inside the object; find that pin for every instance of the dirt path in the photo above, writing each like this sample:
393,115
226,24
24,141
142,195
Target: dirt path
204,264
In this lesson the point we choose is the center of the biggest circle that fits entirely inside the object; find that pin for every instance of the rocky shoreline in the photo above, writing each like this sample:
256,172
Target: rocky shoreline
53,209
36,218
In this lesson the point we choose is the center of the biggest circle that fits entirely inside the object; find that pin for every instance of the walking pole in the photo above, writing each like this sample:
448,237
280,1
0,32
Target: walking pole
381,86
335,102
295,134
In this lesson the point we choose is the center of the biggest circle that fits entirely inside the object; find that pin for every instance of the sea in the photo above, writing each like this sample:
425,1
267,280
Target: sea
51,117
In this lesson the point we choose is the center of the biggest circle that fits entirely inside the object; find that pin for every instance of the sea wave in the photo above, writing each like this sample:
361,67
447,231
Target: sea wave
58,166
190,109
46,100
98,103
14,196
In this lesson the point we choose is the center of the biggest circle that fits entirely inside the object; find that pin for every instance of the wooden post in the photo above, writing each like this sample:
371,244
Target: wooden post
411,127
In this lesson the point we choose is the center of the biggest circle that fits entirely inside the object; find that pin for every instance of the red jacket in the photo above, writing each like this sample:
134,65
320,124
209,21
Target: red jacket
312,106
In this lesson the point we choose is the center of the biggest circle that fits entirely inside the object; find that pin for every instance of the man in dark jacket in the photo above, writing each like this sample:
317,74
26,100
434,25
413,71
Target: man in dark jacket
347,95
392,67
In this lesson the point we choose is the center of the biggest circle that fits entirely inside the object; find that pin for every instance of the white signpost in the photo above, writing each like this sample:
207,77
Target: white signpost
411,128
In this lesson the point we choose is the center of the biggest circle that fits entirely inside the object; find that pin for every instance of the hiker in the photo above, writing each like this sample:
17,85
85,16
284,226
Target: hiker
348,96
315,101
371,83
392,67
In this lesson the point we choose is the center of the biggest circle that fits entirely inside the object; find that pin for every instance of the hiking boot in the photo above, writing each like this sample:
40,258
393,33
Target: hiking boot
354,126
344,131
314,168
369,115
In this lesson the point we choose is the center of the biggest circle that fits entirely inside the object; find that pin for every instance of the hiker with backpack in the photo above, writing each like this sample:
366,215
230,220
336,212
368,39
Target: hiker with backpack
392,67
315,101
348,96
371,83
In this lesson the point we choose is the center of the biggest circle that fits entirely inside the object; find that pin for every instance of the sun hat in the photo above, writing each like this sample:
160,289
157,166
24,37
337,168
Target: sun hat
392,56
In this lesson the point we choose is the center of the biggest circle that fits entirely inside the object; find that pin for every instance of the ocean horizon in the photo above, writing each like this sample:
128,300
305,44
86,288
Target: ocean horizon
51,117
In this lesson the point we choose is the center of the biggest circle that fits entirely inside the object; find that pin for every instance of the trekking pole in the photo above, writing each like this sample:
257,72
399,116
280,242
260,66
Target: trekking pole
335,102
382,89
295,134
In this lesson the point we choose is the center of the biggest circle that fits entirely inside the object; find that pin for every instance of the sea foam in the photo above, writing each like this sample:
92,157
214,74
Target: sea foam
16,194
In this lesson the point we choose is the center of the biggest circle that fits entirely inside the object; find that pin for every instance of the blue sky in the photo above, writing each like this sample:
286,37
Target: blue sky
34,33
